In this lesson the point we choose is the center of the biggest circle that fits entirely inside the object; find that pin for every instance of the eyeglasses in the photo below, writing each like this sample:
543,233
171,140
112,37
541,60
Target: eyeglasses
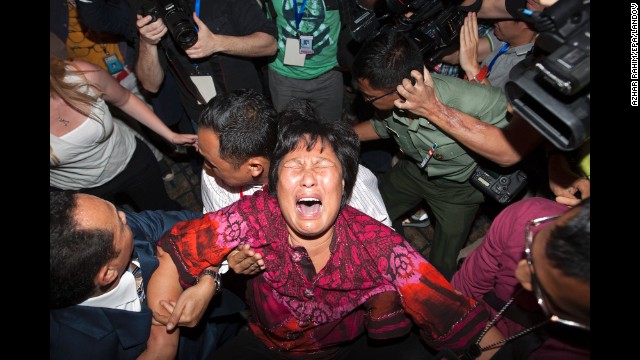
538,290
370,100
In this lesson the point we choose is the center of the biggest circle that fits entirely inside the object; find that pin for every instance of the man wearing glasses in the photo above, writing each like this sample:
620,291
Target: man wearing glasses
436,167
536,251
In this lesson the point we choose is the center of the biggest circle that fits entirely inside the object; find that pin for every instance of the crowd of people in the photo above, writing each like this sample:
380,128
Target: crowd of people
313,239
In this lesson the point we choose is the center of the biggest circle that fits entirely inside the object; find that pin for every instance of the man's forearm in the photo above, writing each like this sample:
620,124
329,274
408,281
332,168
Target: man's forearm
505,147
148,68
254,45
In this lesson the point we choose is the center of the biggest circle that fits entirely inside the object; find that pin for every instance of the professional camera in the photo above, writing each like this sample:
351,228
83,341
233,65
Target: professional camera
434,24
501,185
551,89
177,18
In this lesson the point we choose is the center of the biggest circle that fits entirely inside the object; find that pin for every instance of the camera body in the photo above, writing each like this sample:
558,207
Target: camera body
177,18
551,90
502,188
434,24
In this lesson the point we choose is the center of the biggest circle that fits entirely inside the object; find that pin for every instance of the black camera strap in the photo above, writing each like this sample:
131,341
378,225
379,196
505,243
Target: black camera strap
182,75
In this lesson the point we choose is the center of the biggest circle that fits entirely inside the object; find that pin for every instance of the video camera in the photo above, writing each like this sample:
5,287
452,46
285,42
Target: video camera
177,18
434,24
551,89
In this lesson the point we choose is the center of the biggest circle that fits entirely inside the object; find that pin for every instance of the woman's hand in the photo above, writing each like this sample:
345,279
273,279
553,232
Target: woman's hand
183,139
243,260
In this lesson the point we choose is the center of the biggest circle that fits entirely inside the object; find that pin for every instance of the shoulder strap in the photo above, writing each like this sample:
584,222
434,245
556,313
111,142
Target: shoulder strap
182,75
268,6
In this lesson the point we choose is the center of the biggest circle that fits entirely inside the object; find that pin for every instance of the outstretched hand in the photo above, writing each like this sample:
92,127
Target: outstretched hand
243,260
420,98
184,139
469,45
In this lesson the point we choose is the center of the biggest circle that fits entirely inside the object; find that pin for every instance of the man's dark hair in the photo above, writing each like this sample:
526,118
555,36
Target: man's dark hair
75,255
569,245
245,123
386,59
298,122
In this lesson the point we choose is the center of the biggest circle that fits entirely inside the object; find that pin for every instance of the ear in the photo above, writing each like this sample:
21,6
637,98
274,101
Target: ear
106,275
523,274
257,166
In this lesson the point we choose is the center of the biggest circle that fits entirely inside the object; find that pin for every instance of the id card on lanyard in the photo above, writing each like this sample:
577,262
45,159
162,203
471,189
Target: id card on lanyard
296,49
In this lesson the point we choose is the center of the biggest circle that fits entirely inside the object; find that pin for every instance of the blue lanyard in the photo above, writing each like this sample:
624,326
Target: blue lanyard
197,9
298,14
500,52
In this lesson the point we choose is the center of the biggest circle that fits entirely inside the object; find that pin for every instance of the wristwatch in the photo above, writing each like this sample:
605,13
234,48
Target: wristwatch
216,278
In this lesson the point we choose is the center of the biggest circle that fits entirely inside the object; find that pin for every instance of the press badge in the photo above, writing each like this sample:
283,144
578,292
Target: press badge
205,86
306,44
113,64
292,54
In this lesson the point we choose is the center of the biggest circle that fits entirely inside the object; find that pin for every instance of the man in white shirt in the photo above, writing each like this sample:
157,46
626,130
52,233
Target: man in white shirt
237,133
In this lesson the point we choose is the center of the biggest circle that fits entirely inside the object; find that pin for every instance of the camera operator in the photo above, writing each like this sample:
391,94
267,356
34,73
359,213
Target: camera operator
566,180
229,32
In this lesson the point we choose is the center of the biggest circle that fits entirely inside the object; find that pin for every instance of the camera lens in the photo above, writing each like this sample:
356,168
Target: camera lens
185,35
181,27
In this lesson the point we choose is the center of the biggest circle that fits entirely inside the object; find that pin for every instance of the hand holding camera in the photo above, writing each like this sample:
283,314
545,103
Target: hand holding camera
175,16
150,31
207,44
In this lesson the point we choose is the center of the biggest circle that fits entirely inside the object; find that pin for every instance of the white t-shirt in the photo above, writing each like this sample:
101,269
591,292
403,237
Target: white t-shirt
93,153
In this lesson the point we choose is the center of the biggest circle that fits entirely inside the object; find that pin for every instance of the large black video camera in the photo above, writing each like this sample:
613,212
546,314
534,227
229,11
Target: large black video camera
177,18
551,89
434,24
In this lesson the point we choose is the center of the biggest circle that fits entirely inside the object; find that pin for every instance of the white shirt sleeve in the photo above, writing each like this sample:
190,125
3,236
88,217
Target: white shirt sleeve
366,196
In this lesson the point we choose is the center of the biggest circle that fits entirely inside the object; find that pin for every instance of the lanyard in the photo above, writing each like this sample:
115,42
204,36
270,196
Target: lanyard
197,10
500,52
298,14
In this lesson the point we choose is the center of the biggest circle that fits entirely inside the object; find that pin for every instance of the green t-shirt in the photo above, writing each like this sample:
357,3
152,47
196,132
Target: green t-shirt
322,24
415,138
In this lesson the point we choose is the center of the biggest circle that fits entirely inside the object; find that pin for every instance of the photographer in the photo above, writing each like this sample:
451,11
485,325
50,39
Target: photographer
229,32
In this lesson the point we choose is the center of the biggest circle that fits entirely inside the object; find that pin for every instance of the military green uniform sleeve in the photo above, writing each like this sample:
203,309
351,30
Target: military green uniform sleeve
487,103
380,127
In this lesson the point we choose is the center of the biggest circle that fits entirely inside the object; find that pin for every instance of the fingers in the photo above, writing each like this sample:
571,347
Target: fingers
566,200
160,319
473,22
584,185
427,80
198,22
168,305
151,32
173,320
